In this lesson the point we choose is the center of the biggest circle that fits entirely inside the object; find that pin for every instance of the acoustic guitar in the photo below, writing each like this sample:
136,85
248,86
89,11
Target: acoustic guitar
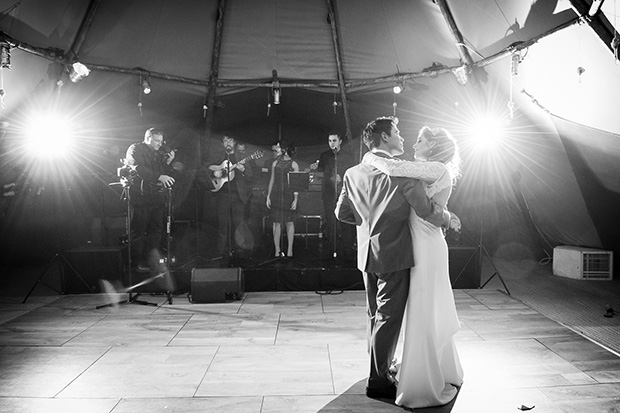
224,167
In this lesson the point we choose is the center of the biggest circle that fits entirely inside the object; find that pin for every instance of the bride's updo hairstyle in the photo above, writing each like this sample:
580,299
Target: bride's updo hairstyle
444,149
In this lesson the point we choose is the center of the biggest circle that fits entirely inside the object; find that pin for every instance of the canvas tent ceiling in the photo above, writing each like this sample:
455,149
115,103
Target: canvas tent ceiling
379,41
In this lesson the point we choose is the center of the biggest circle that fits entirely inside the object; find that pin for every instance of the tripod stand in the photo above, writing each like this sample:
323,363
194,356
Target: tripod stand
62,261
480,249
133,298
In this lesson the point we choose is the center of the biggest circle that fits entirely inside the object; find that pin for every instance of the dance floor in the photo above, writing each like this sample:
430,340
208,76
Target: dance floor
278,352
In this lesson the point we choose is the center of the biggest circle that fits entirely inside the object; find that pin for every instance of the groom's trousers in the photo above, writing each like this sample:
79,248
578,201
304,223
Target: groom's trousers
386,297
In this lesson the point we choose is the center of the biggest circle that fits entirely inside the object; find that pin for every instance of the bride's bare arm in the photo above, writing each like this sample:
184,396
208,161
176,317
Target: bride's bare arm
426,171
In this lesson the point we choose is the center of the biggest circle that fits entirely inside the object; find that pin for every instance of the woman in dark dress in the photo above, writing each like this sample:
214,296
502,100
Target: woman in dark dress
281,199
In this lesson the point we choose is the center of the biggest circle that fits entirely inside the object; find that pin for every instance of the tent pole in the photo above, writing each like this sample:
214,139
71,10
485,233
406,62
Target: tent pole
213,74
515,47
460,42
87,21
598,22
341,82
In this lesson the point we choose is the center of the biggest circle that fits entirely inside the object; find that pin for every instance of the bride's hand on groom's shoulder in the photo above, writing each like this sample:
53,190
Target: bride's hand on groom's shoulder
455,222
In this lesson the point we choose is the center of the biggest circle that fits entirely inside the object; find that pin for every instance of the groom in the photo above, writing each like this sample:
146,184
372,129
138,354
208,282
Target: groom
380,205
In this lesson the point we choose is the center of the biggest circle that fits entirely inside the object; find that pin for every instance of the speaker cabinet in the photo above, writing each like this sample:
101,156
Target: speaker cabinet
463,264
91,263
217,285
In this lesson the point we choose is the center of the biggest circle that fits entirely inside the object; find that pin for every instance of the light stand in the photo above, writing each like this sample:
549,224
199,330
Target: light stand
62,262
480,249
132,299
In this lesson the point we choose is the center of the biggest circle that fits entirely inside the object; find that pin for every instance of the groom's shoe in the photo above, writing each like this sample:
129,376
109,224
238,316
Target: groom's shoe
382,393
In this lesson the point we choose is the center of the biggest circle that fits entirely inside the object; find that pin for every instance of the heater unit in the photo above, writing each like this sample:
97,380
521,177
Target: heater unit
582,263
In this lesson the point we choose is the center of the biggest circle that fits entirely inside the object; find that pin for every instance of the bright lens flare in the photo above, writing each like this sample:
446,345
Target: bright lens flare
487,133
49,136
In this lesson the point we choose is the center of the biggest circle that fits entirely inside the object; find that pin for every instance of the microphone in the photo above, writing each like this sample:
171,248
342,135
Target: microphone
166,150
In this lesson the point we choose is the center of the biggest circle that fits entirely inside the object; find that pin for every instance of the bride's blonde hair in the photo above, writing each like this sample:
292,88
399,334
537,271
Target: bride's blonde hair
444,149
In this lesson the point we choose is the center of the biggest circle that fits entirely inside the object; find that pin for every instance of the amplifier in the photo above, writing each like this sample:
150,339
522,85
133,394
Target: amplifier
216,285
89,264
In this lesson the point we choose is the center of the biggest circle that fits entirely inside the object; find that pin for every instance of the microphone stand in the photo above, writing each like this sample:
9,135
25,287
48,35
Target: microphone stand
132,299
230,252
230,249
334,227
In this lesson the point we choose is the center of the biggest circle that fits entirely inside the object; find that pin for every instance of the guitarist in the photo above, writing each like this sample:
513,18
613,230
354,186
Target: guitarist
150,176
231,197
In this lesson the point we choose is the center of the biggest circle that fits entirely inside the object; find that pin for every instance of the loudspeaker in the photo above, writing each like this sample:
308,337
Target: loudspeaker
92,263
463,265
216,285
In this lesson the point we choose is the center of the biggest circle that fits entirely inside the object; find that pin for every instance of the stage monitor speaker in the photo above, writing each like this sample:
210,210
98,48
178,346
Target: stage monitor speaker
464,271
92,263
216,285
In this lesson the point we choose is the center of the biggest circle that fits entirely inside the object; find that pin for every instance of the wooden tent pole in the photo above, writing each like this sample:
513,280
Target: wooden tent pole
213,74
331,9
598,22
460,42
87,21
515,47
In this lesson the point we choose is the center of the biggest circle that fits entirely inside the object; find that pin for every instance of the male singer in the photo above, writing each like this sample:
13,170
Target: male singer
333,163
148,198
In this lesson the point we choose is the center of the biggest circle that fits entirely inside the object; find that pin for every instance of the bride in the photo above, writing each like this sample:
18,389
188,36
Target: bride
430,372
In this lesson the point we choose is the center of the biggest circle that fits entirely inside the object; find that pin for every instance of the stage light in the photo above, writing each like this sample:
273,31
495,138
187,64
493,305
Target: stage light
77,72
146,84
49,136
275,87
399,88
5,56
462,74
487,132
276,96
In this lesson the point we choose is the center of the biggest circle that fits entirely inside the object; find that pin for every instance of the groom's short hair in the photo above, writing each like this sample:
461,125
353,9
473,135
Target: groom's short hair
372,132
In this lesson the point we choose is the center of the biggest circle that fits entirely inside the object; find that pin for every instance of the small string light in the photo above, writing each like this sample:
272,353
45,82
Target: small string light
204,105
268,103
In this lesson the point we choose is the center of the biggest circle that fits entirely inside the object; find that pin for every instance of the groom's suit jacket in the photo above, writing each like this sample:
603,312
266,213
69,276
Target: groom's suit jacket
380,206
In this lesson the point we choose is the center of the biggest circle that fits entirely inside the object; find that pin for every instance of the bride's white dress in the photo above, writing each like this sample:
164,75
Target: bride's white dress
430,368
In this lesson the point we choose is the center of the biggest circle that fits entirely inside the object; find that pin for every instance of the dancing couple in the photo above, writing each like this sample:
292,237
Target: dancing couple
400,211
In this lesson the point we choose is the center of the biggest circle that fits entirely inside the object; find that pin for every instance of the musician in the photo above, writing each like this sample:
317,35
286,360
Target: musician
152,168
232,171
333,163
